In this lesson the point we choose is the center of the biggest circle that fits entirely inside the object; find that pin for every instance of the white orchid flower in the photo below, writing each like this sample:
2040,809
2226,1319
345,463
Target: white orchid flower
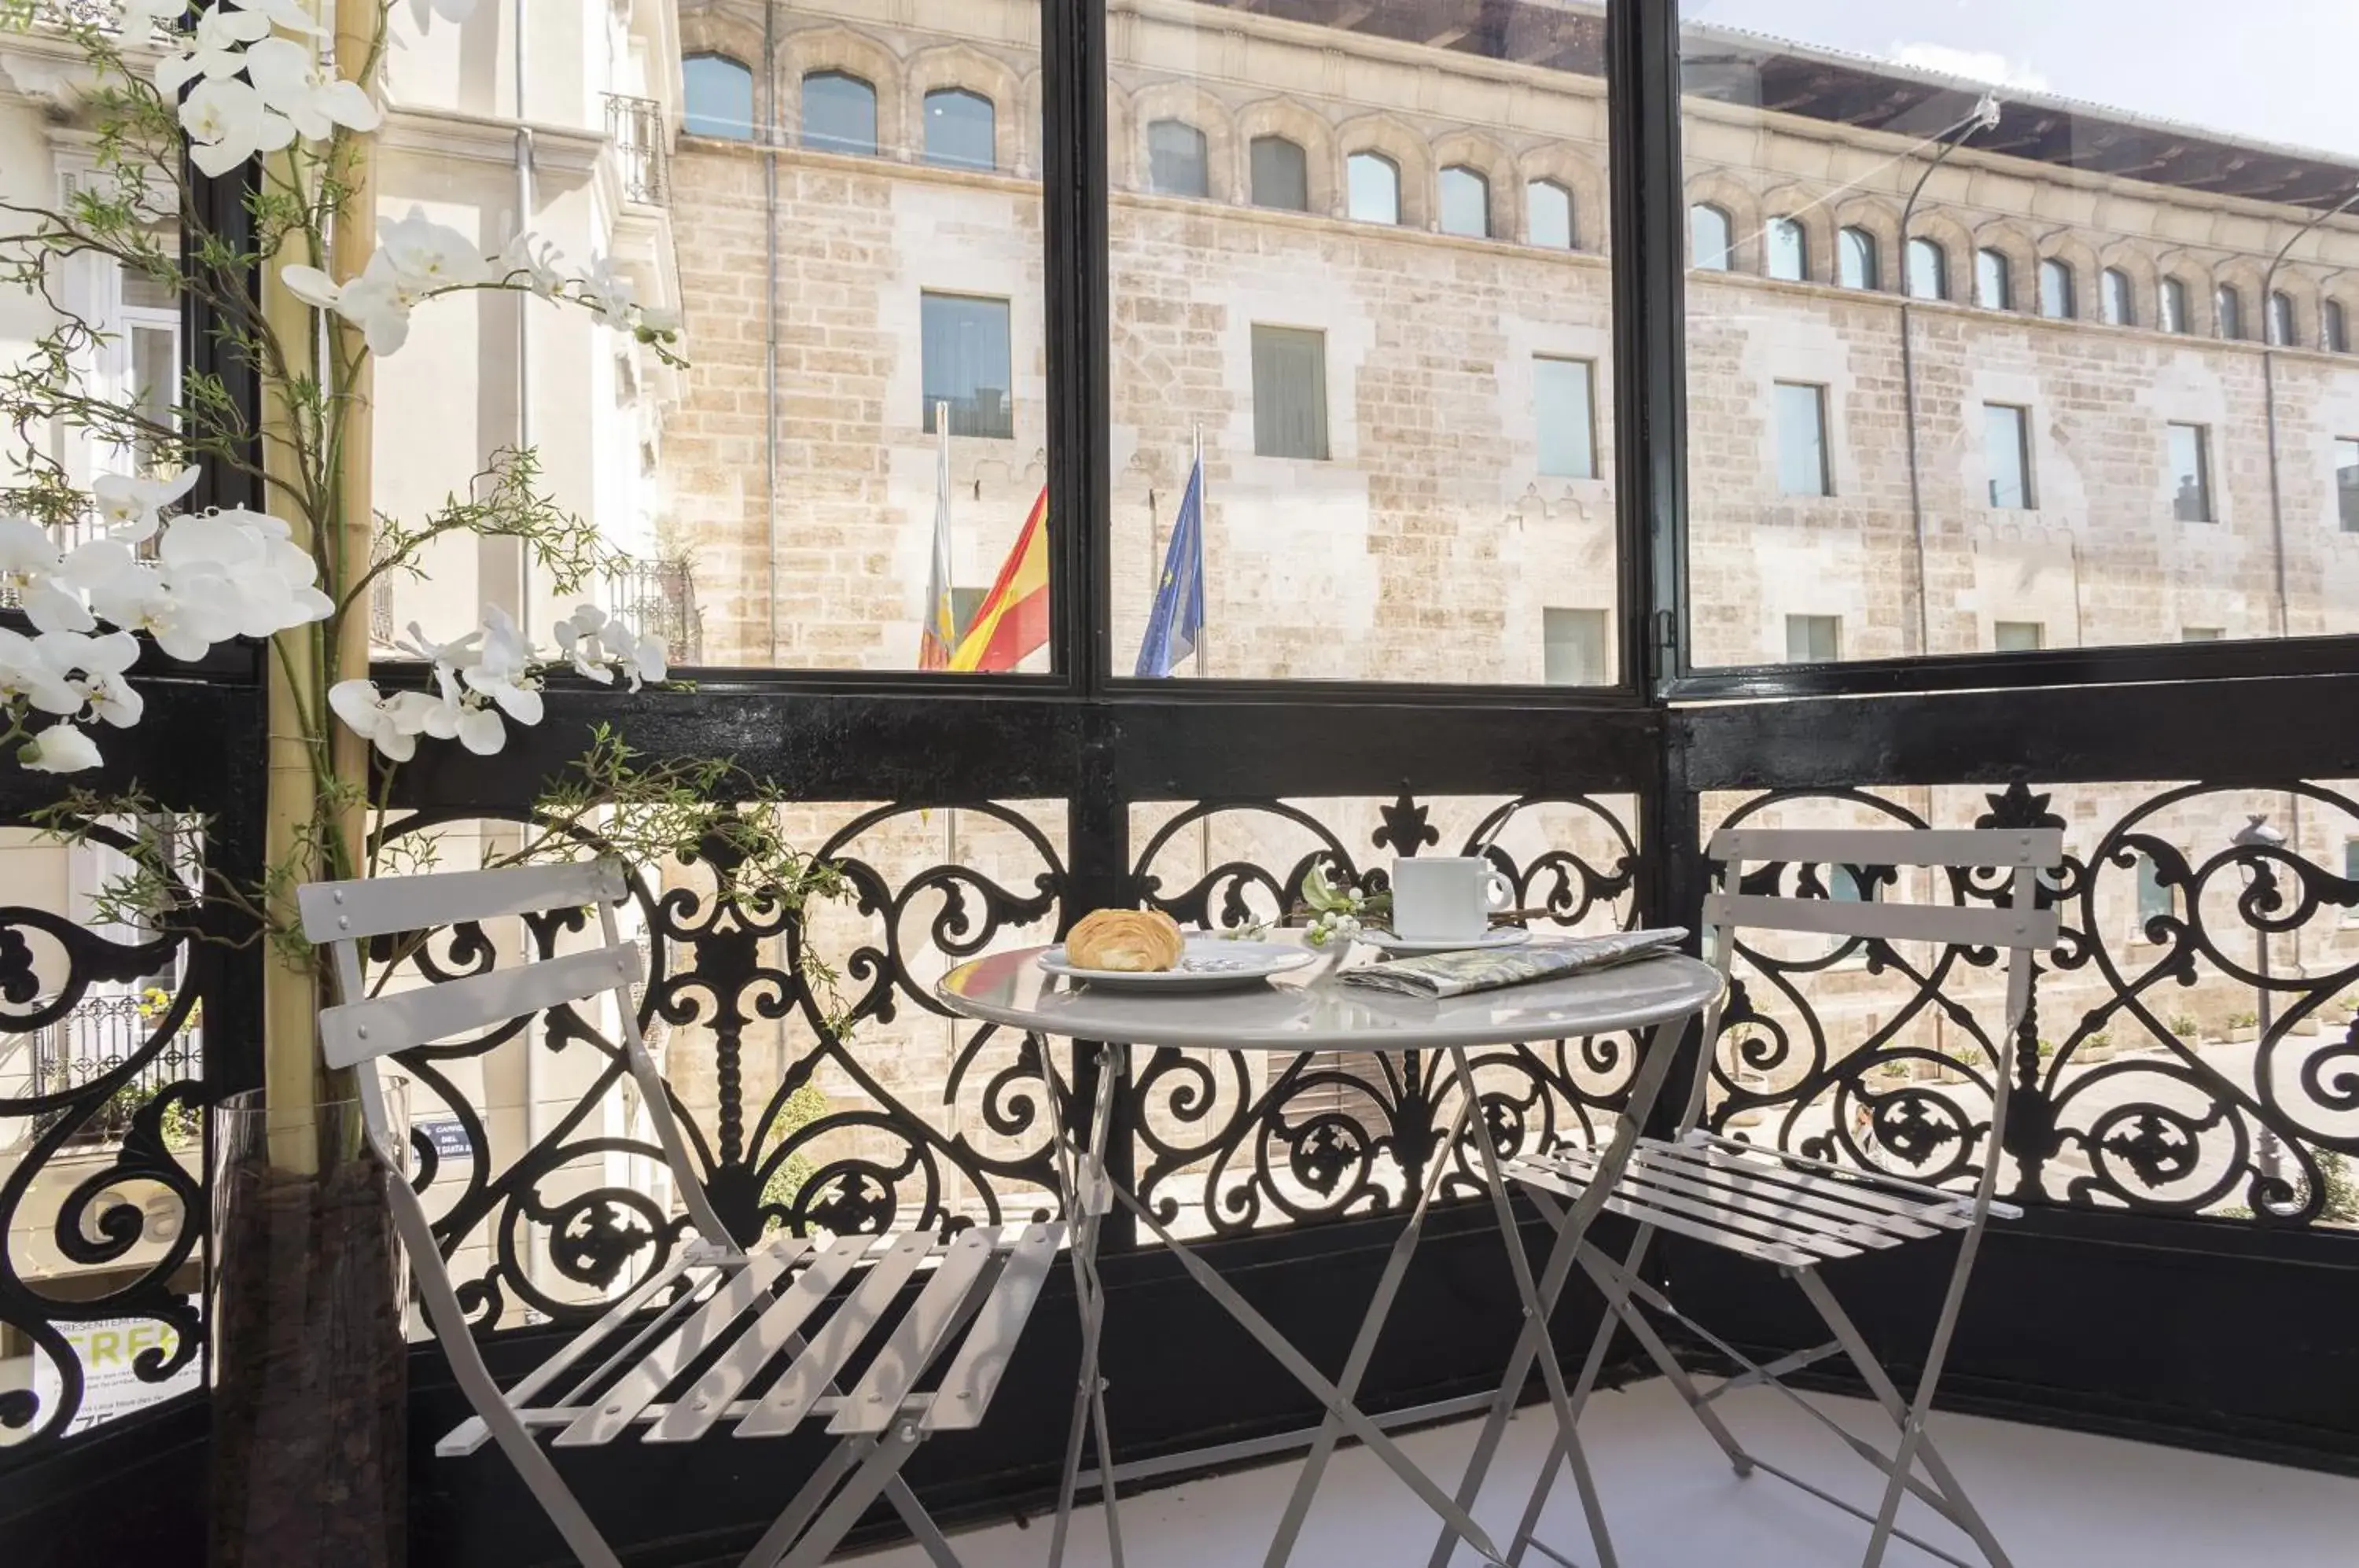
646,660
580,638
456,655
428,255
463,716
392,724
216,50
185,616
30,562
530,261
61,749
504,671
287,15
607,292
133,508
228,123
28,675
294,82
244,564
97,667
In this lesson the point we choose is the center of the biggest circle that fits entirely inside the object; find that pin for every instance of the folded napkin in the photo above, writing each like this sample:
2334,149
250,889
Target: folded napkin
1488,969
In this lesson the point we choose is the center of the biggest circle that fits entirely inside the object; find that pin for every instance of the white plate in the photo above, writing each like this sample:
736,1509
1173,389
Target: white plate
1409,947
1206,963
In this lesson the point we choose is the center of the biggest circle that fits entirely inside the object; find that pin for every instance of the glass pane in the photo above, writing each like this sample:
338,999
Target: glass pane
1857,257
2229,307
1375,189
2120,309
2175,317
1550,219
839,113
1866,115
1465,203
716,97
1789,256
1814,639
1801,440
2055,290
1708,239
2015,636
1562,391
2346,484
2338,326
2004,447
1281,174
1928,270
1290,382
1993,290
780,499
962,129
966,365
1404,416
2190,476
155,385
1176,161
1577,651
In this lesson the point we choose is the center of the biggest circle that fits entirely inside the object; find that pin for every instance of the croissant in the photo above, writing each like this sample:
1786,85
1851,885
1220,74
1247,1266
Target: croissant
1129,941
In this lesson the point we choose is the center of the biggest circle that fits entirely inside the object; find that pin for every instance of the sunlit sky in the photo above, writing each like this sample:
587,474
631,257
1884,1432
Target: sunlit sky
2280,70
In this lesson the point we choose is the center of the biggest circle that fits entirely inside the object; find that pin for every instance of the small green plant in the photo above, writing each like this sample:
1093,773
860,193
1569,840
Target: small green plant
804,1106
2184,1025
2102,1039
2339,1191
2243,1021
2046,1049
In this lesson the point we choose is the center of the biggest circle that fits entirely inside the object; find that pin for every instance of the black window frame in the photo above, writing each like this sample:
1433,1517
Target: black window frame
1787,236
1299,172
1822,418
1197,155
1400,201
1588,368
1994,266
829,141
1571,213
688,115
970,421
1852,242
1272,432
990,160
2206,506
1928,246
1482,183
1726,260
2063,305
2118,297
2027,484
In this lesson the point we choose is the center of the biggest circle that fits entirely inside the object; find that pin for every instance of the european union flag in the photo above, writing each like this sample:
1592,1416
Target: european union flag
1177,618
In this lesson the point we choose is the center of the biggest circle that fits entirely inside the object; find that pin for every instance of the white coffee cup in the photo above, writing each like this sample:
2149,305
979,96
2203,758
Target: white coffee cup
1446,899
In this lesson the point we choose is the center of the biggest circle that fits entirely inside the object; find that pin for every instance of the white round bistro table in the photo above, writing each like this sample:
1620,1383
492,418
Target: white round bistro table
1310,1010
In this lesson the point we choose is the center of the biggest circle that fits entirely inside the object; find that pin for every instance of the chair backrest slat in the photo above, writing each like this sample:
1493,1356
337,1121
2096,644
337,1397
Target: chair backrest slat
349,912
2039,849
1948,923
361,1031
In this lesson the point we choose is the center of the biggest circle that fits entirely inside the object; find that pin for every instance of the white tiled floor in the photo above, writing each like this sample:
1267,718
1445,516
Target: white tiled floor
2055,1499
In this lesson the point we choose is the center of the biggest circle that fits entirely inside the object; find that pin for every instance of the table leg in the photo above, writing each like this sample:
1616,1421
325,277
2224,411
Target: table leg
1086,1185
1314,1465
1539,1298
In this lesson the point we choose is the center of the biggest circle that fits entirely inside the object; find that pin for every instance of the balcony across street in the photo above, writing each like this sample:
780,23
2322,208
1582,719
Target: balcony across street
1178,784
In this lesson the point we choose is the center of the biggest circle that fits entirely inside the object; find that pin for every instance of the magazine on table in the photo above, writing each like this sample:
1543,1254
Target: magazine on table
1489,969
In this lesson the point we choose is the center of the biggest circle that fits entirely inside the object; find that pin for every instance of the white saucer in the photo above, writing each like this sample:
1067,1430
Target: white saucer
1406,947
1206,963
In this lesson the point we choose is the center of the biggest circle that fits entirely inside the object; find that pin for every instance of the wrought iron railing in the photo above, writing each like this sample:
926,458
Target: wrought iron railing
658,597
635,129
130,1039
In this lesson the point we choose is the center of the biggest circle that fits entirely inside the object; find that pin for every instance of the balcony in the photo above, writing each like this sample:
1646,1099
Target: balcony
659,597
635,129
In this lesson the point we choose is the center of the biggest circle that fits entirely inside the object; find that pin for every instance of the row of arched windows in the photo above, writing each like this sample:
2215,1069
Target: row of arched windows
839,115
1925,274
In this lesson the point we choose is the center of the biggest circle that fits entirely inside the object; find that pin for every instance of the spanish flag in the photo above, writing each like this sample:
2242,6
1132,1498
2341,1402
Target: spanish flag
1013,619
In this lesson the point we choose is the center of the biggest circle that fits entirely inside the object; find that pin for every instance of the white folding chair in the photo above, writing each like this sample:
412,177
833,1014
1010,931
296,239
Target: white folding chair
1796,1213
717,1333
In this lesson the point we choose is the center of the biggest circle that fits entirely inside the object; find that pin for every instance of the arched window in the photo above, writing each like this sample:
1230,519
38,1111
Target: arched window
2056,289
1928,270
2334,327
1549,214
716,97
1709,238
962,129
1177,163
1374,181
1281,174
1465,202
1788,250
1857,266
2175,315
1993,289
839,113
2281,319
2120,304
2228,311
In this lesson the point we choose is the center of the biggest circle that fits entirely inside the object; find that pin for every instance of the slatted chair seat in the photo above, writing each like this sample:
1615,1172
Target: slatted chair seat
1754,1202
754,1342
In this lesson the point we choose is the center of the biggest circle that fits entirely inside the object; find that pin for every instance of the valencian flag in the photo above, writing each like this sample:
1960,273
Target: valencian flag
1177,622
938,641
1012,618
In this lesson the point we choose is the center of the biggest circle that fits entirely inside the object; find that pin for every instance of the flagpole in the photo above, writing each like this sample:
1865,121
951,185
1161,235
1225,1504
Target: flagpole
1203,824
942,489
